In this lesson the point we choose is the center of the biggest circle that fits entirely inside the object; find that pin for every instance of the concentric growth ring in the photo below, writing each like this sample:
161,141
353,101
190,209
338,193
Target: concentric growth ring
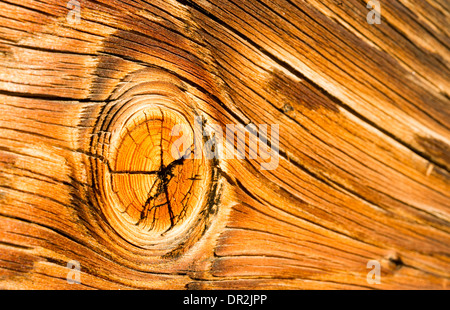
152,196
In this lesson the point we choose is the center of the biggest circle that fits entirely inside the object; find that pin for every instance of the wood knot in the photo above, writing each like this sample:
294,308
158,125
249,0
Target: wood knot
151,195
394,261
155,191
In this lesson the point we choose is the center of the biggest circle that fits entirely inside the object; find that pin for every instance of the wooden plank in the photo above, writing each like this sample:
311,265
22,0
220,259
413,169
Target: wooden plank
364,144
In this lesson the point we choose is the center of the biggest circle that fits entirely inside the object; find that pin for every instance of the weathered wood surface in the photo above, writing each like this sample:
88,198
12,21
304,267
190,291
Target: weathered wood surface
364,116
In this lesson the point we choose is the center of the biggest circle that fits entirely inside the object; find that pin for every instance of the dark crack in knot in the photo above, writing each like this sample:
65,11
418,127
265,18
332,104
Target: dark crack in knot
164,176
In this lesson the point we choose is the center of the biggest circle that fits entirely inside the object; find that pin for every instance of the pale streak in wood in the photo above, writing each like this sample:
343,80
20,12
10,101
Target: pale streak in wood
353,184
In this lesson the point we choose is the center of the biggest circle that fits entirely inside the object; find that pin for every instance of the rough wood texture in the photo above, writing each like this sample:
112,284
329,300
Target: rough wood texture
364,121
